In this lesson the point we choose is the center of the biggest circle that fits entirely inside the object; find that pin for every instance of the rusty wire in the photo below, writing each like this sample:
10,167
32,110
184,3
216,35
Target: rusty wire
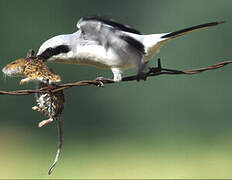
60,87
152,72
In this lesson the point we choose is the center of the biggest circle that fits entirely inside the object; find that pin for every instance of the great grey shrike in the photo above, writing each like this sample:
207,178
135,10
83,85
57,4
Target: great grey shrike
106,44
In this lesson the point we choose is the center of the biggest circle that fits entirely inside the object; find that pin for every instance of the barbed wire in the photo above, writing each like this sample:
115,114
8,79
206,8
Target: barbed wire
56,91
155,71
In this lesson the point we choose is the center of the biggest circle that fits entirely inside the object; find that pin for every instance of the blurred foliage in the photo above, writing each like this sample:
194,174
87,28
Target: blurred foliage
166,127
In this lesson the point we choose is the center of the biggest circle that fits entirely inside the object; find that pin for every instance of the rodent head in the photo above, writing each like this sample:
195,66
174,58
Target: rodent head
35,70
15,68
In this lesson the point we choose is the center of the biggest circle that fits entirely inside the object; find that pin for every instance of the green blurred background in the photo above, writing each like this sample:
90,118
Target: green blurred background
166,127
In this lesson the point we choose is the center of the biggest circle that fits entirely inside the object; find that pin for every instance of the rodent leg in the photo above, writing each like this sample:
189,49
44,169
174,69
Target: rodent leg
42,123
36,108
25,80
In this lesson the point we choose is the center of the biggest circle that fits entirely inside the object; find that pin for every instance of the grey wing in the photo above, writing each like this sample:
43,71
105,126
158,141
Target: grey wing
93,31
112,35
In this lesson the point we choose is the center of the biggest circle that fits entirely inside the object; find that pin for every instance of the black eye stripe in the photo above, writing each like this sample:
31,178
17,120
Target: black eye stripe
49,52
62,49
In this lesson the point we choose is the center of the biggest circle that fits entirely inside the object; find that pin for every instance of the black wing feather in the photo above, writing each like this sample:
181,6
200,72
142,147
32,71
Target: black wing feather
112,23
109,33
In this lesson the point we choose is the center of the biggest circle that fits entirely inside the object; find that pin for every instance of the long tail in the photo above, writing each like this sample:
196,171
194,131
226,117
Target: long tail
154,42
60,142
191,29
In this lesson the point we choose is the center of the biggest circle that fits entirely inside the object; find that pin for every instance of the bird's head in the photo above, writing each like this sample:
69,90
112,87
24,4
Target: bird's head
56,48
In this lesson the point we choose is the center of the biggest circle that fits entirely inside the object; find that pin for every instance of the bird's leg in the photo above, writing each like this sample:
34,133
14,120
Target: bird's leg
141,75
117,74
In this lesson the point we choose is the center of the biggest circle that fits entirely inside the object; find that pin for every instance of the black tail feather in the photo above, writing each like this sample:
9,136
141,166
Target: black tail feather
183,31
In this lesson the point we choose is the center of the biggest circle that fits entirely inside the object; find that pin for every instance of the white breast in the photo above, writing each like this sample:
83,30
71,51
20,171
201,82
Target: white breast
98,56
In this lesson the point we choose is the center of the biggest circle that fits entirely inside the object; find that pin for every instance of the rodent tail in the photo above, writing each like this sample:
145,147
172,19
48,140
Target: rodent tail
191,29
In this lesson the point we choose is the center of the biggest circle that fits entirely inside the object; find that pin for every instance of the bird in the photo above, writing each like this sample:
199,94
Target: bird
107,44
